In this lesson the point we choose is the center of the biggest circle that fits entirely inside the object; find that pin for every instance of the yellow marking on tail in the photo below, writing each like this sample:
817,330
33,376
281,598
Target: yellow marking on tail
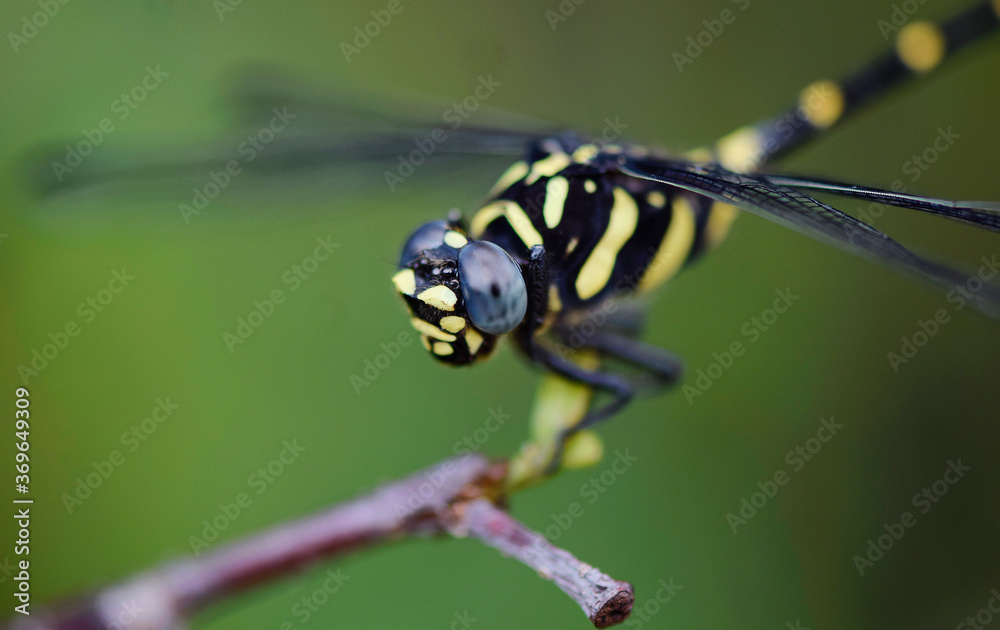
921,46
741,150
822,103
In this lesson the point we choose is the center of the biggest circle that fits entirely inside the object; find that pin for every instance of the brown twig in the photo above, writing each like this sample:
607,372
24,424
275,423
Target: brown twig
456,496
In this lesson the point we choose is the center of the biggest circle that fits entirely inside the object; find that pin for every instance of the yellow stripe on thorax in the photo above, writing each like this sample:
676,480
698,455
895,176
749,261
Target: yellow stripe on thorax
514,214
674,248
597,269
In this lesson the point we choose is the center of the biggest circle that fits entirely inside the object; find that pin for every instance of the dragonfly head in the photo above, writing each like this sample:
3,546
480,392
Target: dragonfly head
462,294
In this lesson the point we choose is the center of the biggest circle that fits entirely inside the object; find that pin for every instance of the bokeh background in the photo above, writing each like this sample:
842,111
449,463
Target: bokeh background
665,517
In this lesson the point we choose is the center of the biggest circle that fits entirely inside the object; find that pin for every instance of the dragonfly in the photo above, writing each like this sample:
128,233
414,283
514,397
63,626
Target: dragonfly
577,222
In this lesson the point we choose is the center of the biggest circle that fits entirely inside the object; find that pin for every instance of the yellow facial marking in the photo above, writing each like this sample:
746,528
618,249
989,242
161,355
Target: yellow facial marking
555,199
440,297
585,153
452,323
548,166
475,341
454,239
674,248
443,349
656,199
596,271
821,103
573,242
515,215
516,171
920,46
742,150
431,330
405,281
426,341
720,219
591,186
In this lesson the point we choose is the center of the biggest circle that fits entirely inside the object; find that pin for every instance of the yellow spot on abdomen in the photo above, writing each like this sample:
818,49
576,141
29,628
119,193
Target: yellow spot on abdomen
720,220
431,330
440,297
453,323
597,269
514,214
556,192
516,171
674,248
405,281
742,150
920,46
454,239
821,103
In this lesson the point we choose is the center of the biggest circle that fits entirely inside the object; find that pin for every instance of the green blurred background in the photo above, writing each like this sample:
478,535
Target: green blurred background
665,517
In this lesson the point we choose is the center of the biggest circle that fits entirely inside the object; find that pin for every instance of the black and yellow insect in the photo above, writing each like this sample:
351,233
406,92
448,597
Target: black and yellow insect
577,223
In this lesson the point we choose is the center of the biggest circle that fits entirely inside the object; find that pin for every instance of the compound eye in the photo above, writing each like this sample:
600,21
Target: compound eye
493,287
427,236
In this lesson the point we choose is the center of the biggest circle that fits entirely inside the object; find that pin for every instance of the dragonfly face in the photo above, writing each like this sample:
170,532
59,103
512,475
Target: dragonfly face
462,294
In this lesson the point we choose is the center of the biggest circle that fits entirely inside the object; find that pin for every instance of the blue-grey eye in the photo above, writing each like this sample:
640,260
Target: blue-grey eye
493,287
427,236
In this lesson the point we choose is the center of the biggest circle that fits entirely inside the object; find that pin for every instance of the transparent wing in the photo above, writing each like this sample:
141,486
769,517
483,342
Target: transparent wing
285,128
788,207
984,214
